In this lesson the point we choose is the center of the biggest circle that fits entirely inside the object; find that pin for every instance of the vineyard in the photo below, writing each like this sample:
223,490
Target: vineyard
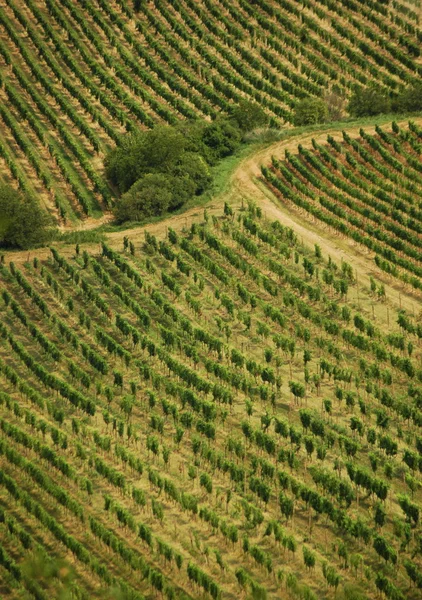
367,188
219,413
226,404
76,75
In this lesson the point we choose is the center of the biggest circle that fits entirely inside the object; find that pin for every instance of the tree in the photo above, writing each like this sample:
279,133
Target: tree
221,138
310,111
410,100
183,188
142,152
194,166
23,223
174,152
367,102
149,196
248,115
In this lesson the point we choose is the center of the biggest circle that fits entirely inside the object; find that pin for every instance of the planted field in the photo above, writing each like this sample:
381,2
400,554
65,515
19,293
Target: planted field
220,413
77,75
368,188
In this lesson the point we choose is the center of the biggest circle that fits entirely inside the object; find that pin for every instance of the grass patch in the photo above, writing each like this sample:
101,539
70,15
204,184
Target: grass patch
81,237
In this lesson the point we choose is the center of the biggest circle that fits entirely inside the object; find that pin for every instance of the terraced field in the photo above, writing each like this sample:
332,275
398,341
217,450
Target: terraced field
79,74
217,413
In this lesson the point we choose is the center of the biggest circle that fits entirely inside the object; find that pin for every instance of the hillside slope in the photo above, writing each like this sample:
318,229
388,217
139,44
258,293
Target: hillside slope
77,75
214,412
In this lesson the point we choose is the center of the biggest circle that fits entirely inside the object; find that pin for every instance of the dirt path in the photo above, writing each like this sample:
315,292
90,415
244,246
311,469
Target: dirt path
245,185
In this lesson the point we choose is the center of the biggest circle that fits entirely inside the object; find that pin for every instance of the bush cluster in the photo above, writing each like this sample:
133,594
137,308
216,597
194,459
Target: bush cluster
158,170
369,101
364,102
23,222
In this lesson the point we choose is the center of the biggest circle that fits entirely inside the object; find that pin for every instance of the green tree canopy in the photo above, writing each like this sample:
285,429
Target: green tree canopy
310,111
141,152
194,166
149,196
183,188
248,115
410,100
368,101
181,155
23,222
221,138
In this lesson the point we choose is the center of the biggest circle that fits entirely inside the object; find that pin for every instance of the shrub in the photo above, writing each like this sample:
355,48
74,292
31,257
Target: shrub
248,116
194,165
310,111
221,138
23,223
160,169
410,100
144,152
369,101
149,196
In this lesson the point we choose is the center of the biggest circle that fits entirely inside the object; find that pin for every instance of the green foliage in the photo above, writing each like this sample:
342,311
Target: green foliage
248,115
410,100
23,223
310,111
194,166
161,169
142,152
149,196
220,138
172,369
308,557
369,101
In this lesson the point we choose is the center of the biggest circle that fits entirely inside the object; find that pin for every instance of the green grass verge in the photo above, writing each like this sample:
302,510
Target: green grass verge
81,237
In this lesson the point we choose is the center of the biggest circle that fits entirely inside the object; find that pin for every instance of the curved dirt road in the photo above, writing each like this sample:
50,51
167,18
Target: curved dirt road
244,184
